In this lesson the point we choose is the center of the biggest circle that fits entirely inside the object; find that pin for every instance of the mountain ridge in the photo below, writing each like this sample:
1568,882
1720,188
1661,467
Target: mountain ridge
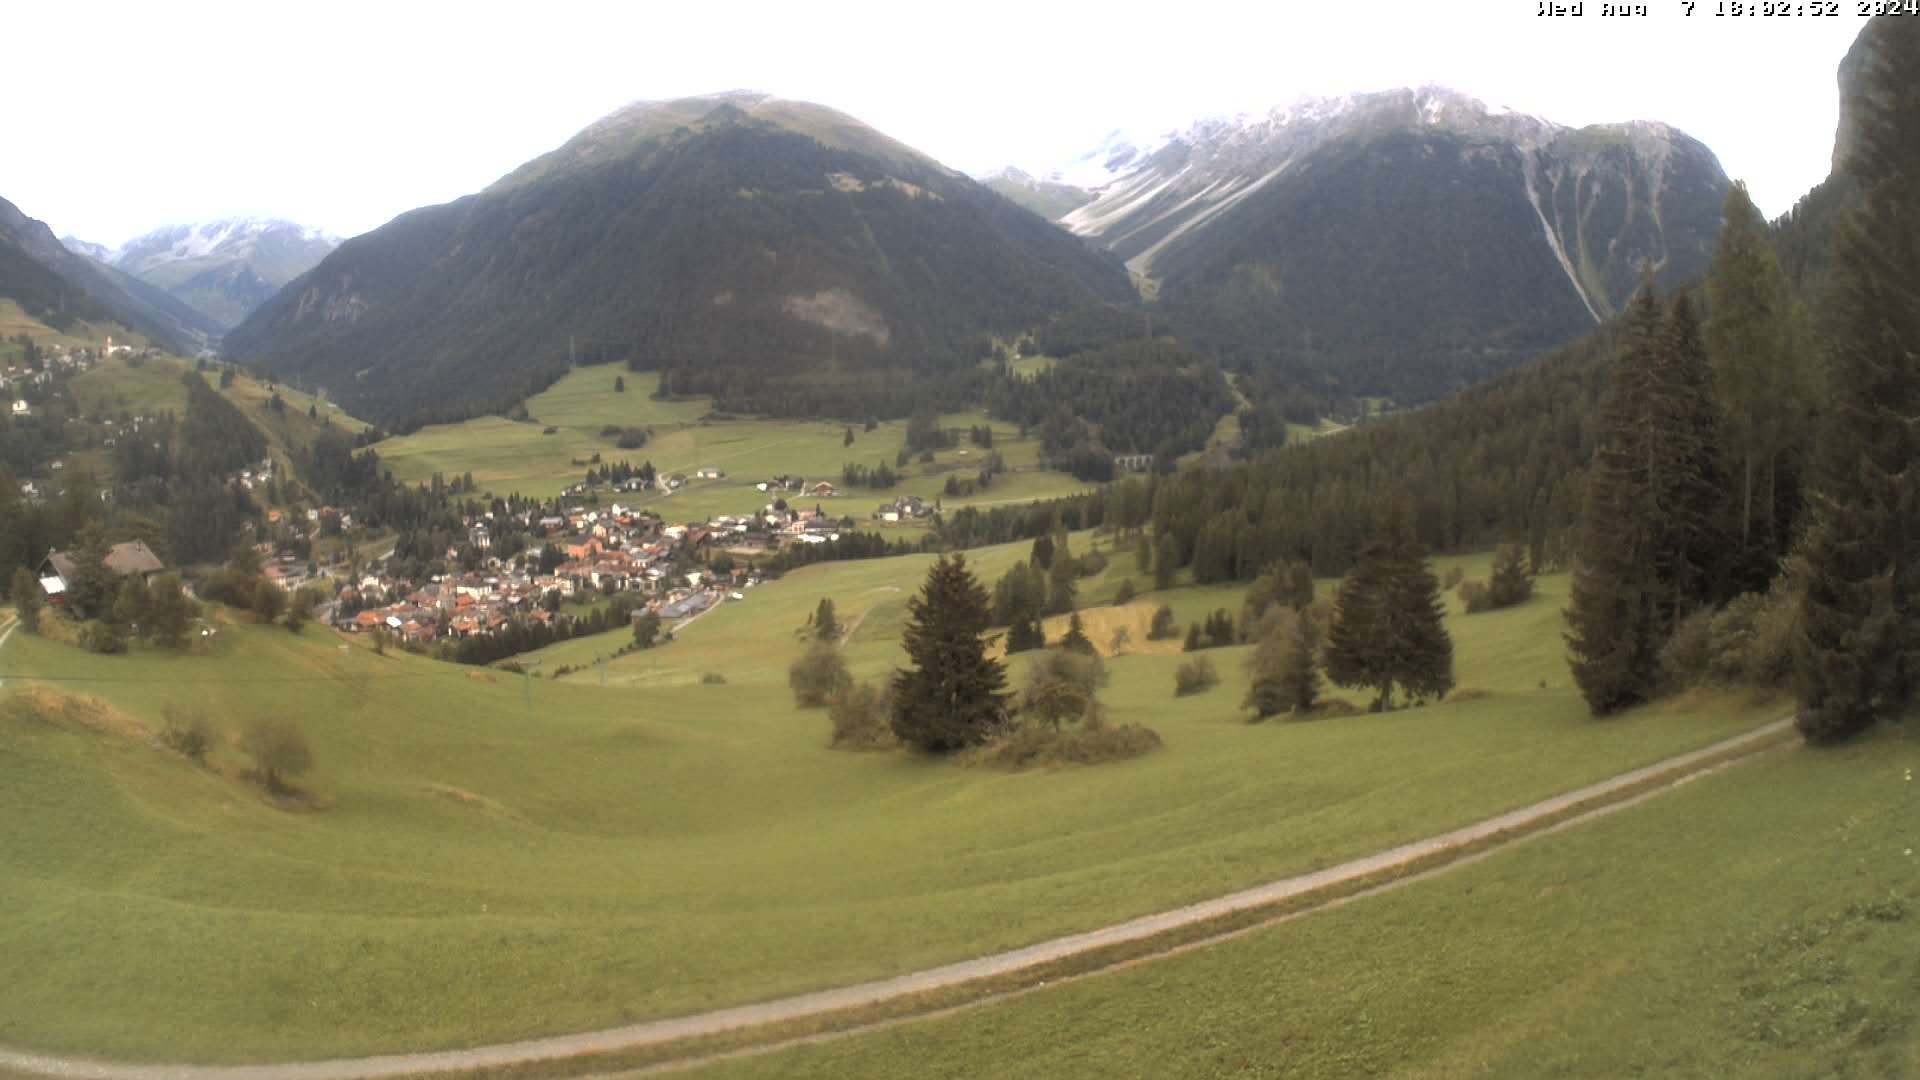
732,237
1244,227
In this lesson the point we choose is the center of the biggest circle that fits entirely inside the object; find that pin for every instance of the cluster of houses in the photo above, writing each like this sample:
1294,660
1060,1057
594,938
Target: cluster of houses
797,485
594,551
19,380
904,508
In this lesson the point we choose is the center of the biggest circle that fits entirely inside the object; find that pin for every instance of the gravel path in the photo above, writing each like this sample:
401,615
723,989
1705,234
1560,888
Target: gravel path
12,624
802,1006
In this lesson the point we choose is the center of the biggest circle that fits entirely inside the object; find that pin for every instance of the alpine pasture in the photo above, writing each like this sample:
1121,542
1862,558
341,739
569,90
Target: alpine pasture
487,855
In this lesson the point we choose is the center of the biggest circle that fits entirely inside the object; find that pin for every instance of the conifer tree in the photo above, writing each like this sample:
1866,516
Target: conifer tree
953,696
27,601
1162,627
825,622
1300,662
1511,582
169,612
132,605
1166,560
1355,657
1613,634
1688,485
1284,667
1760,380
91,592
1042,553
1024,633
1076,639
1063,586
1419,649
1857,647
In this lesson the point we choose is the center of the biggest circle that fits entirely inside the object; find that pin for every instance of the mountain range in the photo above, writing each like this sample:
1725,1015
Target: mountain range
55,286
1407,241
1403,243
222,269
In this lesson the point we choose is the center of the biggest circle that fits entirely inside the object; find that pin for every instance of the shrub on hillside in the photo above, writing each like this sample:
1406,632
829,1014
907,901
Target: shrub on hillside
1090,742
1753,637
1196,676
187,734
859,718
1476,596
1061,685
1685,658
1125,593
817,676
1511,581
278,750
1163,627
713,678
1453,577
1748,642
105,636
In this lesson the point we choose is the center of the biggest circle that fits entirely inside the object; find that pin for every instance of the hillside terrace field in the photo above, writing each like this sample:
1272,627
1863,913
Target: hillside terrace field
505,456
497,857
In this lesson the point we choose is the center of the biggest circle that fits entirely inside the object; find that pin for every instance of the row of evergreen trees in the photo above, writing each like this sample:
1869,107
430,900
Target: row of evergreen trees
1687,503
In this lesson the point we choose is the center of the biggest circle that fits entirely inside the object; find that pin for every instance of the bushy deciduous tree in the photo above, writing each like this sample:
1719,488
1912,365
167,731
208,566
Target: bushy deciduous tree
818,676
278,749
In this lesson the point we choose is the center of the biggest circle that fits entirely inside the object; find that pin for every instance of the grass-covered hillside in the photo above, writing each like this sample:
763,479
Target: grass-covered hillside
153,386
506,456
1763,923
483,856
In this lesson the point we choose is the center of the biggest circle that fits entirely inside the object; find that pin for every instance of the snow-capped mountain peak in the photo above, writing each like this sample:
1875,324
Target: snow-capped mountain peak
227,267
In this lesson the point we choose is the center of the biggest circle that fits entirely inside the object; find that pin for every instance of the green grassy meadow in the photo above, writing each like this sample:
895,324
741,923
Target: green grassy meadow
498,857
505,456
1762,922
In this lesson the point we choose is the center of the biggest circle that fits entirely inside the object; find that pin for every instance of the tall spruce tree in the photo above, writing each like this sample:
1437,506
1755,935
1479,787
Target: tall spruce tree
953,696
1420,651
1689,486
1857,648
1613,631
1760,381
1388,630
825,623
1355,656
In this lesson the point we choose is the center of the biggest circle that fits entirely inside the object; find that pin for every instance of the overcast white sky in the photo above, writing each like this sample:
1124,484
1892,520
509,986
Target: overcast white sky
124,117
